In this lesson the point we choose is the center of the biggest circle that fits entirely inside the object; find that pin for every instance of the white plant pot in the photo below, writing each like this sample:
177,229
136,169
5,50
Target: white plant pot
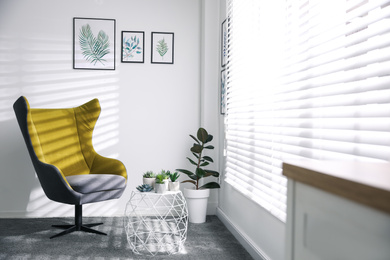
174,186
197,204
150,181
160,187
166,182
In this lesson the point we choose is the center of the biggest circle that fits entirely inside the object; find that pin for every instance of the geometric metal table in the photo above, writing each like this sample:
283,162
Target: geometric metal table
156,223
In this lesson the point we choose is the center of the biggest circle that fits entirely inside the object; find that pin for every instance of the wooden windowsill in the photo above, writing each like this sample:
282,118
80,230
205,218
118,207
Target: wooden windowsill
367,183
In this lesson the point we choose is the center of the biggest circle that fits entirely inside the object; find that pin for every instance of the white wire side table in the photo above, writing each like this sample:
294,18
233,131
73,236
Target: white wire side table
156,222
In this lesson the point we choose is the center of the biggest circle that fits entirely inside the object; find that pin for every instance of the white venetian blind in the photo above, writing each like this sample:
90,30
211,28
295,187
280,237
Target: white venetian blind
306,79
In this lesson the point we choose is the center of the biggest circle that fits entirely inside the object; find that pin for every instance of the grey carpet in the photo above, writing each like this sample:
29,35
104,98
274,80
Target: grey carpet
29,239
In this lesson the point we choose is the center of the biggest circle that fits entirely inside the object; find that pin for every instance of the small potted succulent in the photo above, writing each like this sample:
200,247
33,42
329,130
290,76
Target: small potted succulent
144,188
161,185
149,178
166,174
174,184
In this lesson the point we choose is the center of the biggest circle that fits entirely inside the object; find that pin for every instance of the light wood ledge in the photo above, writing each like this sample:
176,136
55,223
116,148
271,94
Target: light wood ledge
367,183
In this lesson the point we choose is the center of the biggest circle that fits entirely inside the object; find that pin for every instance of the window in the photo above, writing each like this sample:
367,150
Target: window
306,79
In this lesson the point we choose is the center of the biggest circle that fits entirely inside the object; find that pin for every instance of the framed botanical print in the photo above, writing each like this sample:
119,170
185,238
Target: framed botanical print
133,47
93,43
162,47
224,39
223,92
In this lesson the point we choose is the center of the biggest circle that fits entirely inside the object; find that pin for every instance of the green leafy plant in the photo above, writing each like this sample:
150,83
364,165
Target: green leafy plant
201,161
161,177
162,47
173,176
131,47
149,174
93,48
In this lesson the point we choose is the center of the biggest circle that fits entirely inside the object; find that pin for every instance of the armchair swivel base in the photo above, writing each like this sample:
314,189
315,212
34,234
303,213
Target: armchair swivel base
78,225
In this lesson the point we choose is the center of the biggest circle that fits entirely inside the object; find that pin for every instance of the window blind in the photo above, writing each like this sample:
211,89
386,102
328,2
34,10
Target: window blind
306,79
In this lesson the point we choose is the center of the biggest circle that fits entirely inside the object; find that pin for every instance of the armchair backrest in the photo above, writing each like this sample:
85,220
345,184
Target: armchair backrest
63,137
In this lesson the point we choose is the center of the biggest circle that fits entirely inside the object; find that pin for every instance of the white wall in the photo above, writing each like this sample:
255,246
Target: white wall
261,233
148,110
209,91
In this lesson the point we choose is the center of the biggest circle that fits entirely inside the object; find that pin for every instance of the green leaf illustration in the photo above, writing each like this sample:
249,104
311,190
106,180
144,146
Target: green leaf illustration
131,48
93,48
162,47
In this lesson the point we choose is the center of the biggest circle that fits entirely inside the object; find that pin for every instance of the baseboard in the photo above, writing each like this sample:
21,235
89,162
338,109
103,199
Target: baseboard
12,214
245,241
36,214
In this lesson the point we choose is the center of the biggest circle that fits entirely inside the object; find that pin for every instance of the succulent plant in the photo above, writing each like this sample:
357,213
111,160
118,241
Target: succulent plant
161,177
149,174
144,188
173,176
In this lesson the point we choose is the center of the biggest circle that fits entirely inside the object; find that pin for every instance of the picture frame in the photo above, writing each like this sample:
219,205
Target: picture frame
162,48
93,43
133,47
223,92
224,43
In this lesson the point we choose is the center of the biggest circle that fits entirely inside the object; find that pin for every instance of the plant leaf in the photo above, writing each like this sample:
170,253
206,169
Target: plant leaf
185,172
162,47
209,147
202,135
196,140
192,161
93,48
210,185
204,164
211,173
209,138
200,172
208,158
196,148
103,44
191,181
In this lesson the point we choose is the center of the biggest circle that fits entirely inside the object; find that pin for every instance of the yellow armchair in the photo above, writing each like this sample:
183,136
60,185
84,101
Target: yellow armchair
70,171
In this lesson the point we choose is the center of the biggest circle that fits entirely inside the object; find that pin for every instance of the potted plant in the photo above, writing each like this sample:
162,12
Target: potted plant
197,197
161,185
149,178
174,185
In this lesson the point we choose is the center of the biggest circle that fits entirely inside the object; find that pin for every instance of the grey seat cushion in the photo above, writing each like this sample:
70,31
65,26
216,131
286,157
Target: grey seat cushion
90,183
